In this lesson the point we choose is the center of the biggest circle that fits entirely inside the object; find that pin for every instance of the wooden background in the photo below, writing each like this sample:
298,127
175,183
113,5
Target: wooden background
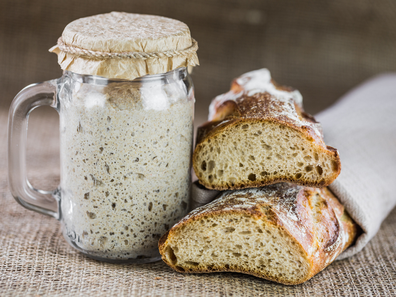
323,48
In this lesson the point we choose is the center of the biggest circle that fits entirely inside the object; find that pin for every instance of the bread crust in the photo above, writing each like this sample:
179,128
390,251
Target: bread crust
313,218
239,107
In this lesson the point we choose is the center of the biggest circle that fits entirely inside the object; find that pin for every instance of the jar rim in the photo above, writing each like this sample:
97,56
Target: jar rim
178,73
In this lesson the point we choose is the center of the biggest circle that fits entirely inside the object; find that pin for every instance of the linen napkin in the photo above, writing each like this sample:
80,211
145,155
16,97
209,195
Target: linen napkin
362,126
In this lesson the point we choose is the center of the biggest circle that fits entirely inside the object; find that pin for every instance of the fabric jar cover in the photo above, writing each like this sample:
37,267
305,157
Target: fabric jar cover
125,45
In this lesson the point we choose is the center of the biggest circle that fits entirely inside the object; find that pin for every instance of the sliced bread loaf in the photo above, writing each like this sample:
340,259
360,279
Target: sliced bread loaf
258,134
284,233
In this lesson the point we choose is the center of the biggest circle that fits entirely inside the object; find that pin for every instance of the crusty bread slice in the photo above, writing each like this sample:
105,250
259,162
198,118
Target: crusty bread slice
257,137
284,233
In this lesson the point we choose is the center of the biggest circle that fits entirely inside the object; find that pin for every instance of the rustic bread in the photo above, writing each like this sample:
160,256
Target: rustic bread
284,233
258,134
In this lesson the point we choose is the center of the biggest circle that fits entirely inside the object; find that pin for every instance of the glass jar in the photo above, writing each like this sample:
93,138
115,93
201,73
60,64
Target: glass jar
125,160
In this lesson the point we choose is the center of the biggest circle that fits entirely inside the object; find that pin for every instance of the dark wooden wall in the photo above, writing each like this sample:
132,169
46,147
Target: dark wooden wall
323,48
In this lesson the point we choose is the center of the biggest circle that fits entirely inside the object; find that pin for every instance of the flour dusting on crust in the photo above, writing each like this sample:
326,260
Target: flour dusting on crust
254,95
251,83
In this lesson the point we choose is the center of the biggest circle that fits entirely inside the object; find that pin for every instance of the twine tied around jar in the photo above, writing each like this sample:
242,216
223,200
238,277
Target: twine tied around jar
131,55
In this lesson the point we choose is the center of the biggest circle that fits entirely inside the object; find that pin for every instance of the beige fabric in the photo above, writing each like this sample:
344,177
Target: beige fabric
200,195
130,38
36,261
362,126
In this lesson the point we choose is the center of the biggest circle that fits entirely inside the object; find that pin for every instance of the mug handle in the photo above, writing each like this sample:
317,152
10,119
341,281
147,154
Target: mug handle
31,97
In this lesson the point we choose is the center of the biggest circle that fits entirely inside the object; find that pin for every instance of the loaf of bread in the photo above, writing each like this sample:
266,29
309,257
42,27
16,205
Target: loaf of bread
284,233
258,134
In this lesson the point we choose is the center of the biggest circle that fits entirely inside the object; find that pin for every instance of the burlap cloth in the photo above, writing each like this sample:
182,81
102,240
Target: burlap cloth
36,261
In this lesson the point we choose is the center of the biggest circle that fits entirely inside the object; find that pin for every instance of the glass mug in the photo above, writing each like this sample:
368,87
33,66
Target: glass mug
125,160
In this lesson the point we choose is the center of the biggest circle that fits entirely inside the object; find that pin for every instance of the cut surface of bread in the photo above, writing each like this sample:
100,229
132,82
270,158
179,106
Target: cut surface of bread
256,153
259,138
284,233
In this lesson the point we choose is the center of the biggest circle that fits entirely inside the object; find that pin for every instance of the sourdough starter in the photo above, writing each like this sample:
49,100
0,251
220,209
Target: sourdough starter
125,155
